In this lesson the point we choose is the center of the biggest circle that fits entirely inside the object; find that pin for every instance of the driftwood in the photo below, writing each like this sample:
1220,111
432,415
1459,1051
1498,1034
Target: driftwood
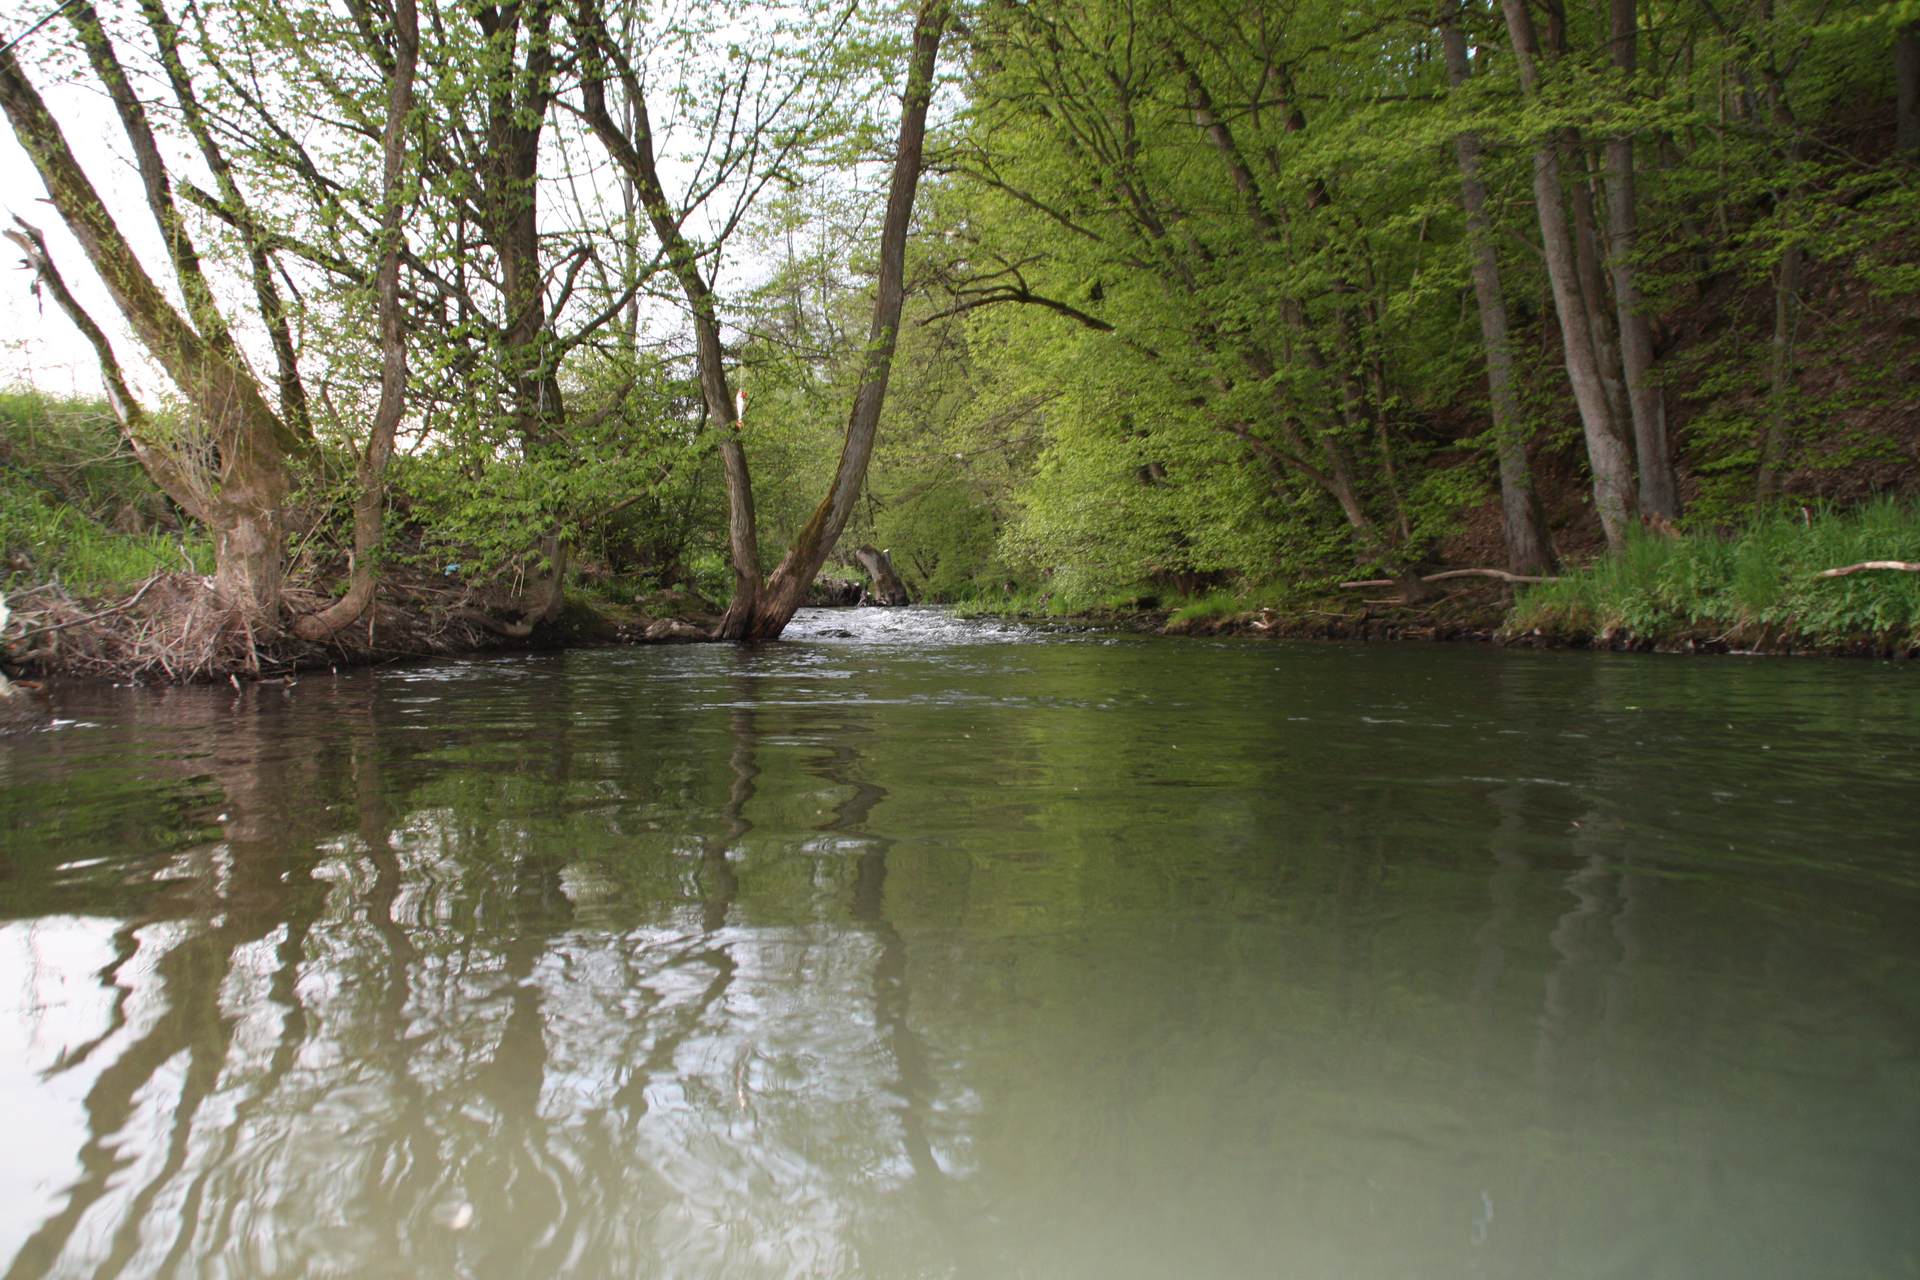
1893,566
887,587
1445,574
675,631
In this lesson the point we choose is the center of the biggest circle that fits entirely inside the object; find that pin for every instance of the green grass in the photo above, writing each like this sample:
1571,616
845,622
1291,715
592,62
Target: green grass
1763,577
58,543
75,507
1215,604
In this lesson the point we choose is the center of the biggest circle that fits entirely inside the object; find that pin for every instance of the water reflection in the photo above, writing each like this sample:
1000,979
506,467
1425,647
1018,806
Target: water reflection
868,957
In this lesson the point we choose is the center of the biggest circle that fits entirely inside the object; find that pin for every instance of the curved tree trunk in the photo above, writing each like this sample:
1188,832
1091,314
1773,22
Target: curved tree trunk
254,445
761,610
787,588
369,507
632,149
887,587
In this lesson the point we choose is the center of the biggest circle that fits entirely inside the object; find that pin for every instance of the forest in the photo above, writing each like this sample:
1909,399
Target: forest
426,325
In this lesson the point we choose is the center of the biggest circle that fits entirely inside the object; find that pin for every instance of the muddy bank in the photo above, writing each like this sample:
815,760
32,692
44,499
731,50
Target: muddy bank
173,630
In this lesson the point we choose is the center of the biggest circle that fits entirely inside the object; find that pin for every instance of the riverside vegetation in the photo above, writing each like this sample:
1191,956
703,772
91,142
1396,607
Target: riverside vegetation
535,323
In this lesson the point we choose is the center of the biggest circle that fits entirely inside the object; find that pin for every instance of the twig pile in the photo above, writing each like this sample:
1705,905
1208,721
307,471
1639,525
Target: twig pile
174,628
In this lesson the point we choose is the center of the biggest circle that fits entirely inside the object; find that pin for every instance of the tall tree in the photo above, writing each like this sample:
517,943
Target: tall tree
255,447
761,608
369,506
1659,489
1607,456
1523,522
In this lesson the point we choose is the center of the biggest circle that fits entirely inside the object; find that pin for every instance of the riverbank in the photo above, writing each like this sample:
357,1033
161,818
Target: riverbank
171,628
1830,583
1484,618
1821,585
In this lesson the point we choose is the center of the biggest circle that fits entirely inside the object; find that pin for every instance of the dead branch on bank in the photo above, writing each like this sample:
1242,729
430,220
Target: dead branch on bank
1867,566
1446,574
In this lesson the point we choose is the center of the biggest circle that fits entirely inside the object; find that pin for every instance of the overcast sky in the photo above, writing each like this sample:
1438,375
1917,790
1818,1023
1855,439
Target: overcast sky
38,345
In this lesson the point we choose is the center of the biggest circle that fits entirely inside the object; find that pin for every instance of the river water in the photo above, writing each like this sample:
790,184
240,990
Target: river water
911,947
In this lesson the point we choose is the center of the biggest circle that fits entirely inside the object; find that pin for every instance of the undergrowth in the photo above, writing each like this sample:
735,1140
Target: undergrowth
1761,579
75,506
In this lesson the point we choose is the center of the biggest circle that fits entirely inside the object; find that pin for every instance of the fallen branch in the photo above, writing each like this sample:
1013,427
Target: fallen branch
1895,566
122,607
1445,574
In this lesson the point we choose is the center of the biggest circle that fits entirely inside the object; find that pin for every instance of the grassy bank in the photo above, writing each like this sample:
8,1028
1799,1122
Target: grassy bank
75,507
1758,589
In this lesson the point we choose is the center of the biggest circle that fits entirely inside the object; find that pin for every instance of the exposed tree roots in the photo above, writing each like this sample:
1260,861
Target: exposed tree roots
175,628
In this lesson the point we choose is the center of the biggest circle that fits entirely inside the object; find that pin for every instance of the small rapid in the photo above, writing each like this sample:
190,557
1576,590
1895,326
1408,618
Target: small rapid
913,625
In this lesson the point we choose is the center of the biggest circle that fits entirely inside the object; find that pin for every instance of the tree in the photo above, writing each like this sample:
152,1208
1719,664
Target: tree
1529,550
255,448
370,472
761,608
1612,466
1659,491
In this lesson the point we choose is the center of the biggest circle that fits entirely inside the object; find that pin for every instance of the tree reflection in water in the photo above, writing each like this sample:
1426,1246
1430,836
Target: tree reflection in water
367,1022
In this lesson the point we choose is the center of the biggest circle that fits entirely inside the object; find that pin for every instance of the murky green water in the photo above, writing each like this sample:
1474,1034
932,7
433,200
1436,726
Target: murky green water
938,950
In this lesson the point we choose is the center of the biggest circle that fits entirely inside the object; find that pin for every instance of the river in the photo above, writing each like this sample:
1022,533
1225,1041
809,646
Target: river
914,947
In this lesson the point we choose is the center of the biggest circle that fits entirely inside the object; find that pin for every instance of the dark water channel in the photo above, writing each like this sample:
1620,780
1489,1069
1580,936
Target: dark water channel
941,949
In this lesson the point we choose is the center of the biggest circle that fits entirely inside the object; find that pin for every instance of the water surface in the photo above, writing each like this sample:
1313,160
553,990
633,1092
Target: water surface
911,947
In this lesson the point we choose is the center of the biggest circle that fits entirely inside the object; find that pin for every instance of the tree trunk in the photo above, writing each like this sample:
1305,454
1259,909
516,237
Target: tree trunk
887,588
249,541
1606,453
632,150
185,485
1906,74
1786,317
369,507
1332,472
1593,285
1659,488
518,100
1529,550
1774,440
787,587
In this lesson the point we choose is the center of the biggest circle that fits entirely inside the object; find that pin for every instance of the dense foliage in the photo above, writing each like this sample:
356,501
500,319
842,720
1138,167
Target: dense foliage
1197,299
